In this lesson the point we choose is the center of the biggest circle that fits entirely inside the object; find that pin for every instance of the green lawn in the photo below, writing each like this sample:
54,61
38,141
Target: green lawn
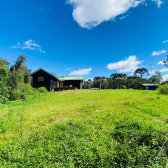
85,128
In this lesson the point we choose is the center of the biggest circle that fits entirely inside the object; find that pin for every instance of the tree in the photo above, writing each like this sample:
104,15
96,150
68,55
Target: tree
22,69
4,62
155,79
3,71
141,72
14,80
166,61
118,80
18,64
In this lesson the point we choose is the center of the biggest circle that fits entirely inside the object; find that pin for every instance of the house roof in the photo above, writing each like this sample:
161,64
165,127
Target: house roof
149,84
44,71
72,78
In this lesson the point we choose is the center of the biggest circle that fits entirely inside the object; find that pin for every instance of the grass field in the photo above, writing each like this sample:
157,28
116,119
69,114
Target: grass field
85,128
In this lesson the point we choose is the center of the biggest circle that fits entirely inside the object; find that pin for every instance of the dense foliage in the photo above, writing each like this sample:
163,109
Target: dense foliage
15,81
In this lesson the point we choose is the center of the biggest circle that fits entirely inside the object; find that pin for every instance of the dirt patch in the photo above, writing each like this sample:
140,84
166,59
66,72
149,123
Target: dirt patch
61,118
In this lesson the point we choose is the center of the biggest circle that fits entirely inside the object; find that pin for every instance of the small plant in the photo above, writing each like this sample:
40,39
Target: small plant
42,90
23,97
124,87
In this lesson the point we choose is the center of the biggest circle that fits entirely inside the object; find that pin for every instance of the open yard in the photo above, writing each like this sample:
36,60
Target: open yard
85,128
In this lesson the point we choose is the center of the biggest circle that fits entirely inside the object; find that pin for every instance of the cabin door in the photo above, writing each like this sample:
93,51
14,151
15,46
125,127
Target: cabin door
61,84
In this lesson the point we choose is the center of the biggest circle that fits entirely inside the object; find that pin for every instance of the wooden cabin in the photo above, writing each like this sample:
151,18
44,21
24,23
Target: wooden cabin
42,78
149,86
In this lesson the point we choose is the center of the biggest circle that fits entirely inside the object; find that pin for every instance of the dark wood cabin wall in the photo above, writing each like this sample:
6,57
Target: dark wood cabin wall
47,78
150,87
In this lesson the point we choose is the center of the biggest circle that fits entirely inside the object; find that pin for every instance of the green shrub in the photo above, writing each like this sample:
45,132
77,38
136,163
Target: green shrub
3,99
27,89
124,87
163,89
42,90
23,97
15,95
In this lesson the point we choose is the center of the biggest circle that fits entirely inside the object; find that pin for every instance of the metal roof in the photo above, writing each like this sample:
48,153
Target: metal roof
71,78
150,84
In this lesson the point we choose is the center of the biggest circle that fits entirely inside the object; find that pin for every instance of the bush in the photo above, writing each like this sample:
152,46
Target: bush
15,95
27,89
124,87
3,99
42,90
163,89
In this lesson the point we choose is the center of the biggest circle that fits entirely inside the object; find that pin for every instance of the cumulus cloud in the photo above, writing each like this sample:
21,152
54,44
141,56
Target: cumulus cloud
121,18
128,65
162,70
165,77
160,63
158,2
81,72
158,52
166,41
30,44
90,13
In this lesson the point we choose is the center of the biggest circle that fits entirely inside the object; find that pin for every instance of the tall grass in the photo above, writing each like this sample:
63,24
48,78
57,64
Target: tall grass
104,128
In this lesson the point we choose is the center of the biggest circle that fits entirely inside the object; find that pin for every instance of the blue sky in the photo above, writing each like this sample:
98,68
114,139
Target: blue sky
85,37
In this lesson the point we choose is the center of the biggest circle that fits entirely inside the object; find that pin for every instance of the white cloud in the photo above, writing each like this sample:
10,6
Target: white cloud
30,44
121,18
158,52
81,72
17,46
128,65
158,2
164,70
165,77
160,63
68,69
166,41
152,72
91,13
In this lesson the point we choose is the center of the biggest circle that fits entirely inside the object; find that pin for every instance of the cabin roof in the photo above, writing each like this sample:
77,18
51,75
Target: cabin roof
44,71
149,84
72,78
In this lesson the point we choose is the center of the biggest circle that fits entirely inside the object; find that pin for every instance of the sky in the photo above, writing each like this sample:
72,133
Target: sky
86,37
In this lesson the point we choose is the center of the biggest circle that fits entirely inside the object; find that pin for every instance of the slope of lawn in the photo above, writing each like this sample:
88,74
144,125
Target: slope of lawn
85,128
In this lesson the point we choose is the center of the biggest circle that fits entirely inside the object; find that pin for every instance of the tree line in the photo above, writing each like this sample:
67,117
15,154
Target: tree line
122,81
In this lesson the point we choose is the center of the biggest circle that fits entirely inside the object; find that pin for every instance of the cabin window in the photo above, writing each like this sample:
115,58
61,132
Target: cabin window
41,78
